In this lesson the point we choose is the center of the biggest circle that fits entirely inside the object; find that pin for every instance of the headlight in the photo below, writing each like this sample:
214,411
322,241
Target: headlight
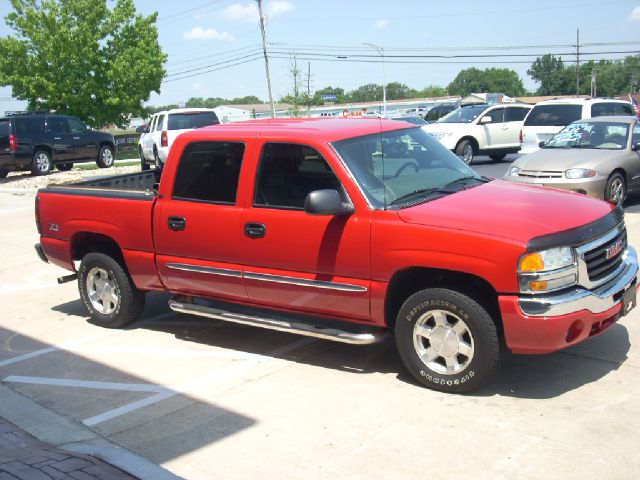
513,172
441,135
573,173
547,270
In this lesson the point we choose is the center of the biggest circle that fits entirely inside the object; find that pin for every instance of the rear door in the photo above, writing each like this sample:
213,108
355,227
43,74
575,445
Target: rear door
61,138
198,228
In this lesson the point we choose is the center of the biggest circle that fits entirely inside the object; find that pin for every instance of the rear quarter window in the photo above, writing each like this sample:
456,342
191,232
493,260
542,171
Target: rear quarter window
29,125
553,115
604,109
5,128
184,121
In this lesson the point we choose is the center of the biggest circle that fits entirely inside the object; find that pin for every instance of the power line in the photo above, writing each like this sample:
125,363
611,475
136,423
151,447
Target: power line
502,55
205,68
214,69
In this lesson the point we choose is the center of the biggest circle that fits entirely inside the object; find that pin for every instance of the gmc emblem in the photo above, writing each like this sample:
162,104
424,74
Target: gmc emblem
614,250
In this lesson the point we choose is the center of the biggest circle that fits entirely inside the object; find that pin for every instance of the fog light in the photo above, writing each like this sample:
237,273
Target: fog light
575,329
538,285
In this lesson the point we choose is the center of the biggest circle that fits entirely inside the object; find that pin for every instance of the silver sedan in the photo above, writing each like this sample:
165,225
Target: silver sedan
598,157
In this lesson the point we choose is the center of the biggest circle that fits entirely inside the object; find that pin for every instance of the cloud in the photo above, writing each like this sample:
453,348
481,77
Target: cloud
238,12
199,33
381,24
635,15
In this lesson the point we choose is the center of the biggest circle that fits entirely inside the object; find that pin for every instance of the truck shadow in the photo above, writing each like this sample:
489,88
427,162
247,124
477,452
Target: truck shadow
519,376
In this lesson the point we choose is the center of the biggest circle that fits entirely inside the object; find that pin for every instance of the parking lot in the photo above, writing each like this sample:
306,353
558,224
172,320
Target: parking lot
208,399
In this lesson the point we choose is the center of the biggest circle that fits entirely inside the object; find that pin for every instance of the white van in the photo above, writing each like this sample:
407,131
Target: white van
154,144
548,117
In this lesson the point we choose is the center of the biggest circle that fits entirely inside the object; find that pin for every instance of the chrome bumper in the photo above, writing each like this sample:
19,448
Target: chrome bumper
597,300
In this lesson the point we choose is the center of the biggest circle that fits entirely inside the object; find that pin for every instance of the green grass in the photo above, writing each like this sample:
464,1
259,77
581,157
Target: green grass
93,166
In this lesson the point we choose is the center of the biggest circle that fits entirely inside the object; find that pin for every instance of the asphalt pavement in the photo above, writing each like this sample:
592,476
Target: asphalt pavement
175,395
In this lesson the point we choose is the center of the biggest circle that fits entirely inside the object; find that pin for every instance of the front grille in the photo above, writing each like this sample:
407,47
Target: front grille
599,267
539,174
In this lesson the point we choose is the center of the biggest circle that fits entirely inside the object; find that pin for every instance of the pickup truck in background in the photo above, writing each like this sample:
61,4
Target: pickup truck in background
347,230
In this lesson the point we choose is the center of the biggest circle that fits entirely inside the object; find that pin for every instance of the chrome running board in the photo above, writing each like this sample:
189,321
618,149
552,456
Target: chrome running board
184,304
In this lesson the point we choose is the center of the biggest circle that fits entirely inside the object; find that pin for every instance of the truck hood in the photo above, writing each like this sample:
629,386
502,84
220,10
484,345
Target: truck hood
561,159
508,210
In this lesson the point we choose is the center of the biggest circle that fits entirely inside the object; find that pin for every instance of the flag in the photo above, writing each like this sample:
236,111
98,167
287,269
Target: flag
635,101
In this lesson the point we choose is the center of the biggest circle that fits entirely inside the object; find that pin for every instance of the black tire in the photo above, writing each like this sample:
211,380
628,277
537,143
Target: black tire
616,189
462,347
465,150
3,173
64,167
156,158
100,274
497,158
144,166
105,157
41,163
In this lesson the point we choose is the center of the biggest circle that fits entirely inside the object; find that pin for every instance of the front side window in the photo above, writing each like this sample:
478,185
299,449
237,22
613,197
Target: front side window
57,125
76,125
288,172
495,116
585,134
636,134
401,168
209,172
553,115
463,114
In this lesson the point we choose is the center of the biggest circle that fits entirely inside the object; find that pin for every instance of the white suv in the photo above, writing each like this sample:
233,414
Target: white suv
492,130
548,117
154,144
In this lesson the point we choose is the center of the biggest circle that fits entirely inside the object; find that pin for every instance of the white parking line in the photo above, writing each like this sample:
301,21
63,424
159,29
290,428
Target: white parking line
66,382
18,209
165,352
183,387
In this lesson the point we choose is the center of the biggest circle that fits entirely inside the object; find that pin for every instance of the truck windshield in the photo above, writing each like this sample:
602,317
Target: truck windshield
404,167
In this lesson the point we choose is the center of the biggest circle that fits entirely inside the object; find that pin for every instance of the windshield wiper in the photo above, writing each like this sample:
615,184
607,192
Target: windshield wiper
443,190
582,146
465,179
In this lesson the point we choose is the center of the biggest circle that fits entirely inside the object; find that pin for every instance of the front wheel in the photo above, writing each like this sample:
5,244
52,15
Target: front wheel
616,189
105,157
497,158
465,151
3,173
446,340
107,291
64,167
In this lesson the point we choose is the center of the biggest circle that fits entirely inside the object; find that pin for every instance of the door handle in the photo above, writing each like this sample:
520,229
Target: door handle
76,138
255,230
177,223
57,138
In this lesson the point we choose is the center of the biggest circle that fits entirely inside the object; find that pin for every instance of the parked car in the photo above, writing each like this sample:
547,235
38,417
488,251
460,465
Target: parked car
38,141
163,128
411,119
597,157
481,130
347,230
438,111
548,117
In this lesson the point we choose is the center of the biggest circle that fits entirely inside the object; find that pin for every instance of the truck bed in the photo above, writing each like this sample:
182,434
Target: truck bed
129,185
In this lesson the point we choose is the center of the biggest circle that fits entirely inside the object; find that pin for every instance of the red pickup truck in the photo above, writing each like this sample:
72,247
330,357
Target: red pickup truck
347,230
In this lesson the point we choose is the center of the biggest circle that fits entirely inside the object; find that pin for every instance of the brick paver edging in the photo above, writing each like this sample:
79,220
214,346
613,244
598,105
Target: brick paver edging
24,457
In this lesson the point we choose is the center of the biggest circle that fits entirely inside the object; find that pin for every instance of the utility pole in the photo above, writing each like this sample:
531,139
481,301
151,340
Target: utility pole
308,88
266,58
577,62
594,91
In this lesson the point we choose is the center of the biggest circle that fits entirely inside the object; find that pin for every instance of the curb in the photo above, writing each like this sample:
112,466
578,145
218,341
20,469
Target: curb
52,428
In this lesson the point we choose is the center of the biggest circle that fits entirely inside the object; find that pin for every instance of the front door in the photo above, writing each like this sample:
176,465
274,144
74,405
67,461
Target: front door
197,231
297,261
84,143
62,142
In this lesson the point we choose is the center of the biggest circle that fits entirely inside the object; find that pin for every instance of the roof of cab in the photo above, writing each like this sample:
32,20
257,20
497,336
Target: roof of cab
323,129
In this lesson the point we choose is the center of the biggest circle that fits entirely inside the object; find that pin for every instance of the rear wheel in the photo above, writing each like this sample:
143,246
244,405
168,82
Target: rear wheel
41,164
616,189
497,158
64,167
107,291
105,157
465,150
4,173
143,162
156,158
447,340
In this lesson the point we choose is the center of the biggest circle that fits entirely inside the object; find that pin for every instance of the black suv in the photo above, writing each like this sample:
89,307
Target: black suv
38,141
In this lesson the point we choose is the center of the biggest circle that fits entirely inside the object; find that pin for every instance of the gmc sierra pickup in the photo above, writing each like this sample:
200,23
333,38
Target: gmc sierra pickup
347,230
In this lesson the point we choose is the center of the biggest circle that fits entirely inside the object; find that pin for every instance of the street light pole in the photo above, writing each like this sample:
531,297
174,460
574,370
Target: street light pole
380,50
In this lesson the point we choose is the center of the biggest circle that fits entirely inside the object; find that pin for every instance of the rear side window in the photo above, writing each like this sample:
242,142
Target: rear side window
159,122
553,115
209,172
516,114
29,125
183,121
57,125
604,109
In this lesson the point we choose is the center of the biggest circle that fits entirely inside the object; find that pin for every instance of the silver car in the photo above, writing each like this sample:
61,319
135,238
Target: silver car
596,156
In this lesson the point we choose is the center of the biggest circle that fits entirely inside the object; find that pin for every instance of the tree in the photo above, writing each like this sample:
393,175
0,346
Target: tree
432,91
504,80
554,78
338,92
468,81
79,57
370,92
399,91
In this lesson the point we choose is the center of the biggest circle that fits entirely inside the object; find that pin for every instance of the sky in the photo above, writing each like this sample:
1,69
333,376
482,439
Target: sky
214,47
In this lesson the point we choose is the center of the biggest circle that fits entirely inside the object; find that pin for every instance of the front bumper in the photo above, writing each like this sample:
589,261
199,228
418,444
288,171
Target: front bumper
594,187
552,322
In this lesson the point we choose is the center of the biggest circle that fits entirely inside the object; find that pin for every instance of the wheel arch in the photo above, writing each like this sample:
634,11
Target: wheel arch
83,243
406,282
474,143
